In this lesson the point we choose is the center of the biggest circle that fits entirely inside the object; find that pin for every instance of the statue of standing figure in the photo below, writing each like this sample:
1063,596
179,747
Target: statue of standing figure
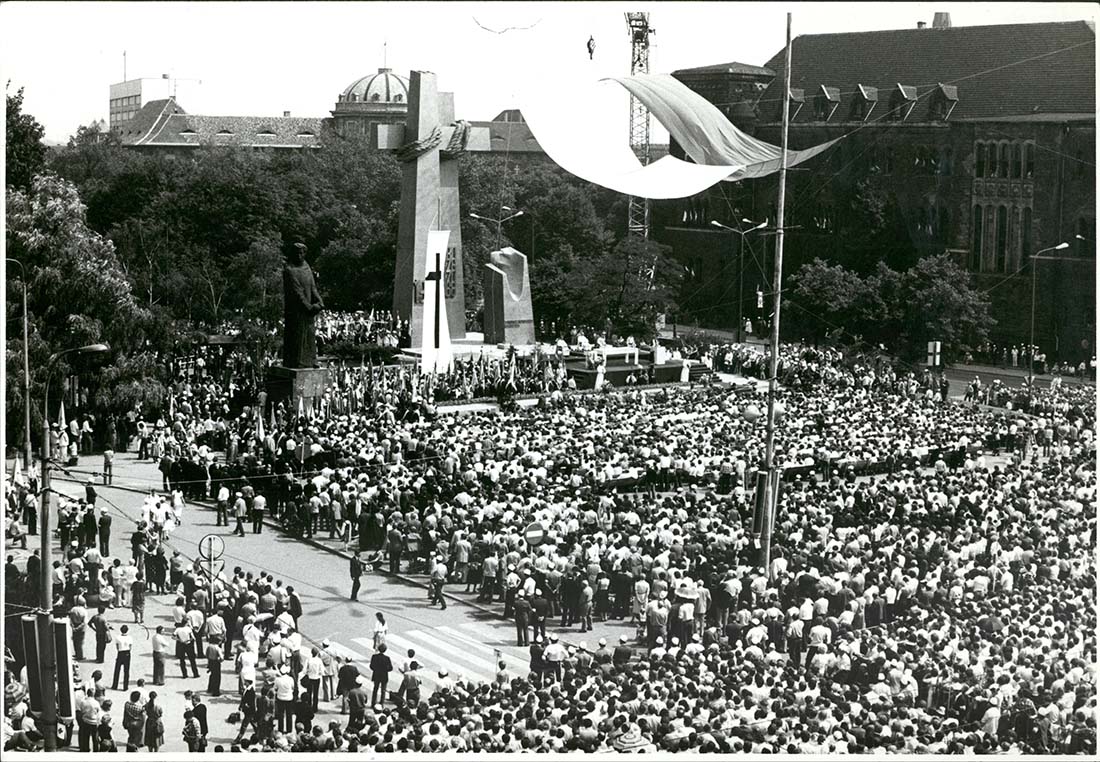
301,303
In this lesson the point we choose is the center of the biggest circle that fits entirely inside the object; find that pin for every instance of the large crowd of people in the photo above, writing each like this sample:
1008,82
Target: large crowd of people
931,586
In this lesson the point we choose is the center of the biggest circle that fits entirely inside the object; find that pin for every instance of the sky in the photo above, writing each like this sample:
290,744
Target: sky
262,58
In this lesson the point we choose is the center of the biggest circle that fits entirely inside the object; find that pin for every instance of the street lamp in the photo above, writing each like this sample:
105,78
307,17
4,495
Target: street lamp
26,371
47,656
1031,342
741,268
499,222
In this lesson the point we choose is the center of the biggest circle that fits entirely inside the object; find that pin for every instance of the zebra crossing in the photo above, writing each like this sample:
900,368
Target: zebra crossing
468,651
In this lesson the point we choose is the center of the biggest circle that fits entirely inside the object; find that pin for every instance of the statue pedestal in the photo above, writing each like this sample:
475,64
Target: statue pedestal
285,384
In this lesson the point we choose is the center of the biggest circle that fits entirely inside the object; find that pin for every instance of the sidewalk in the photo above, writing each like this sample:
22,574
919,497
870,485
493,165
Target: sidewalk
158,611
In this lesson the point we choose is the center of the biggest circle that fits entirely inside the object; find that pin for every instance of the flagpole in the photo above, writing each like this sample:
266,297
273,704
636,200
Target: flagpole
771,483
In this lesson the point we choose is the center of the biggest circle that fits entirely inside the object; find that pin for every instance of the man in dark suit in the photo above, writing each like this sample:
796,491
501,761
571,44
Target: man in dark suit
522,610
104,533
380,668
356,574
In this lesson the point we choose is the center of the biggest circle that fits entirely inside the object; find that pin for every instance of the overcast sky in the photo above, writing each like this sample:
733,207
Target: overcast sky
258,58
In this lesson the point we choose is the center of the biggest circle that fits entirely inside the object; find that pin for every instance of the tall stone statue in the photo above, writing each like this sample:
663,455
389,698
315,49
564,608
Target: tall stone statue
301,303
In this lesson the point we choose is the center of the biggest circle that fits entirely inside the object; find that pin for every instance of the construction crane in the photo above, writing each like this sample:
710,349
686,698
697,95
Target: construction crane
638,24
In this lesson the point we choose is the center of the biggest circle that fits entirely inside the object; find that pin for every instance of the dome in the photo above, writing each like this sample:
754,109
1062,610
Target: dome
383,87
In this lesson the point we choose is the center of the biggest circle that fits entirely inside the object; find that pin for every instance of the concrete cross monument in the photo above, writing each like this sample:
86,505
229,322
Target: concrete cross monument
428,149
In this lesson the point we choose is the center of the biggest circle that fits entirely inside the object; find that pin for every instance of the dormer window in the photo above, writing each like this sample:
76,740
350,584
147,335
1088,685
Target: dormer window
864,103
306,134
398,98
826,103
375,97
188,132
944,100
224,133
266,132
902,101
798,100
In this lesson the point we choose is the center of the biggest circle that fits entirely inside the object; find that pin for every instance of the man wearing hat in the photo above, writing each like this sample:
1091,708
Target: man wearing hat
553,657
240,511
284,700
623,653
523,614
357,703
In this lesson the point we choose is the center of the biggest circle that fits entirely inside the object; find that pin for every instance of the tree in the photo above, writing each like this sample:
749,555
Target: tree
25,153
77,291
931,301
823,296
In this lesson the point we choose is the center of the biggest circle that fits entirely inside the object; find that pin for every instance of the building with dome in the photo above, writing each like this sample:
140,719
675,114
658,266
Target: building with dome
372,110
376,99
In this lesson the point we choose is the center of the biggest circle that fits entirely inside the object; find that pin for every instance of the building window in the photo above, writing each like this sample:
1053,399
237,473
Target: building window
979,160
976,236
1017,161
797,101
864,103
944,224
1002,240
398,98
1029,160
1002,161
902,101
946,167
1025,237
826,103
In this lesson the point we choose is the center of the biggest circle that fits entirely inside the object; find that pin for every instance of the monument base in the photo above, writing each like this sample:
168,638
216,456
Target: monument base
290,384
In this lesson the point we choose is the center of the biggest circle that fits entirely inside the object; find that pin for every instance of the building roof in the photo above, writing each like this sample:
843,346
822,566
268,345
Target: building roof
509,132
163,123
383,87
1000,71
733,67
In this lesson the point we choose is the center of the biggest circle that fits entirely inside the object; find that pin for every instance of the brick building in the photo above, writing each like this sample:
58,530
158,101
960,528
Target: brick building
981,138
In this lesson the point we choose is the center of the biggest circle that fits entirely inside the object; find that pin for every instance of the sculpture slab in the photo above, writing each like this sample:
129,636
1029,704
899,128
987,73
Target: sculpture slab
509,318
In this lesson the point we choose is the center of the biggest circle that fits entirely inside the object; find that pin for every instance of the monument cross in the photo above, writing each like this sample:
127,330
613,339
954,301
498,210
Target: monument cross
429,194
436,275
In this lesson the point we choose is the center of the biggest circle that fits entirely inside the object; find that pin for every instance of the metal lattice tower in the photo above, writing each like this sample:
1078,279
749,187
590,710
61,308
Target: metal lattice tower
638,23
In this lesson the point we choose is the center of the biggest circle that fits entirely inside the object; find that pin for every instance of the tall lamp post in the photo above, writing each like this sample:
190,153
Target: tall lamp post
47,656
27,455
499,222
741,269
1031,341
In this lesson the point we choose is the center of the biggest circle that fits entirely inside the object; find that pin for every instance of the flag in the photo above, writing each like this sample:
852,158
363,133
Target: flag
260,425
61,416
271,424
301,408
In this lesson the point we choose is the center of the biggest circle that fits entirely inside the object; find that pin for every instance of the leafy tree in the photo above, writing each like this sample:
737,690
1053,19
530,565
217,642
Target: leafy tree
932,300
25,153
824,296
77,291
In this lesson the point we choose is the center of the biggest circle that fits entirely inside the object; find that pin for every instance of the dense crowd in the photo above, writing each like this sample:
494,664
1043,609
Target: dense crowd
376,328
945,605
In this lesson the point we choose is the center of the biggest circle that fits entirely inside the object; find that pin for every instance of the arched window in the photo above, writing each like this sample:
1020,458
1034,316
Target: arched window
1025,238
1002,240
979,160
398,98
1002,161
976,238
375,97
1017,161
1029,162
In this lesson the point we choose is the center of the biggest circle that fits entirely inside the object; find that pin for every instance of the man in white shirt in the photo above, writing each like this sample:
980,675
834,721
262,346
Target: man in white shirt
311,679
123,645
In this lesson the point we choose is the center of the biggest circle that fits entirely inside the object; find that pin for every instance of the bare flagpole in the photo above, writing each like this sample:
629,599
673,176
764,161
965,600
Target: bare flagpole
771,491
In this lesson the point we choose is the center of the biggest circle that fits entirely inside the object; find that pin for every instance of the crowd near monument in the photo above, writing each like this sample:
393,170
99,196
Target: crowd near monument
488,543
